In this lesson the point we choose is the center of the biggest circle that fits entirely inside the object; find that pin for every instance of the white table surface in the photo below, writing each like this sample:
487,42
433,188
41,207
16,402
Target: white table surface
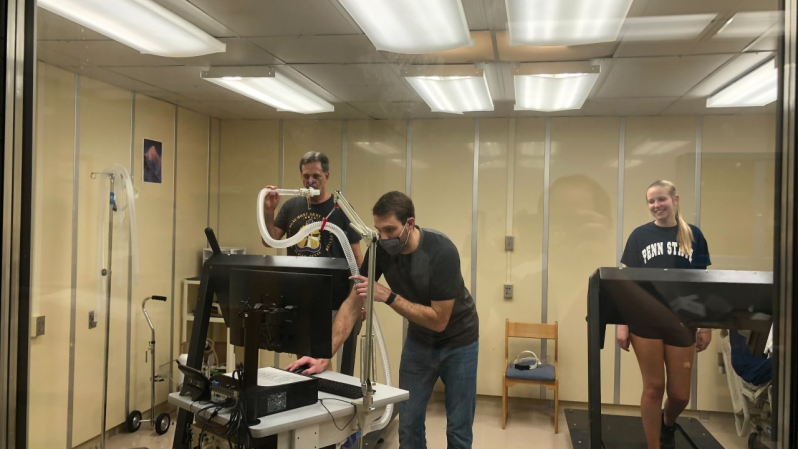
310,415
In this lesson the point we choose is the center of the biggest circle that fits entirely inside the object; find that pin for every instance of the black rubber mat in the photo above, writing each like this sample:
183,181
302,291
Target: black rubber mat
626,432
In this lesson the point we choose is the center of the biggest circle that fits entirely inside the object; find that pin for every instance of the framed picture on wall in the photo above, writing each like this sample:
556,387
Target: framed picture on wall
152,161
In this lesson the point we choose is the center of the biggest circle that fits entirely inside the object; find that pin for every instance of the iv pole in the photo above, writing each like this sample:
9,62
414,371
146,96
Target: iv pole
106,272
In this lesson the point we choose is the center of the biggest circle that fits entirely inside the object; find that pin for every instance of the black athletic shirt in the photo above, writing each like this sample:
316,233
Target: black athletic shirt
431,273
652,246
294,215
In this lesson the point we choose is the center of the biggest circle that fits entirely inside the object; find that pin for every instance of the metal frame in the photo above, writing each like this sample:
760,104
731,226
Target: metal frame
616,394
547,68
408,185
699,142
474,211
174,268
74,274
785,351
442,70
129,331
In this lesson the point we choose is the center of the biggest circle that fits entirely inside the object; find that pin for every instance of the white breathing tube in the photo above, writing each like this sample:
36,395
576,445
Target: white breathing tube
124,199
353,268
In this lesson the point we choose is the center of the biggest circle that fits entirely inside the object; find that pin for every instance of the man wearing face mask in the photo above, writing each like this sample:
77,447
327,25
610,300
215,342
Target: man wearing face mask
422,268
314,168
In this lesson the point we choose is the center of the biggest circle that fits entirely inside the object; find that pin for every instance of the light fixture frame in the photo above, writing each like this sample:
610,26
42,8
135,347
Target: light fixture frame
452,70
555,68
222,72
770,63
129,29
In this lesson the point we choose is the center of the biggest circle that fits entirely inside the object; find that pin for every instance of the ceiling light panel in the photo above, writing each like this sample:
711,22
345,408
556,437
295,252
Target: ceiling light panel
553,87
140,24
452,89
565,22
269,87
757,88
411,26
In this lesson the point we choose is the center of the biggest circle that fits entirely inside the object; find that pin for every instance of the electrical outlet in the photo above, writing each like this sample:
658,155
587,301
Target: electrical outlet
509,242
39,326
92,321
508,291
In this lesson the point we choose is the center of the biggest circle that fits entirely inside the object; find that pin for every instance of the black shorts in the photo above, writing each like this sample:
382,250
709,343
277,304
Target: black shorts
678,336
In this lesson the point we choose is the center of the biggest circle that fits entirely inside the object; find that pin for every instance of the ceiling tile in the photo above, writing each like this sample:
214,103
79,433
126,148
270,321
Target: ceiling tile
625,106
212,108
280,17
51,26
485,14
360,82
658,77
252,110
184,81
533,53
386,110
239,52
481,51
47,56
768,41
164,76
115,79
104,54
196,16
108,53
321,49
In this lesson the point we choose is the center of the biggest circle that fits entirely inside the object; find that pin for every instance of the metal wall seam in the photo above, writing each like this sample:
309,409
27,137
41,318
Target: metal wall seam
544,312
174,252
130,261
408,182
619,242
699,138
74,273
474,211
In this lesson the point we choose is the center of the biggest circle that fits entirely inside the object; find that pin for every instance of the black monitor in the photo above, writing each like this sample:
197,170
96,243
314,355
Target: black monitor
295,293
294,310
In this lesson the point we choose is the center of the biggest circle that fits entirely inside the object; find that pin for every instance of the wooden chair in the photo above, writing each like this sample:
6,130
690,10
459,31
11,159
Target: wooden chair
544,374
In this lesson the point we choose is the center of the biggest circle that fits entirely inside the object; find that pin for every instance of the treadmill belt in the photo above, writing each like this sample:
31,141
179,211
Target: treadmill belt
626,432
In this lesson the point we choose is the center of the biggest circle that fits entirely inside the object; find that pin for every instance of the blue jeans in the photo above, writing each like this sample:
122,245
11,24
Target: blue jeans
419,370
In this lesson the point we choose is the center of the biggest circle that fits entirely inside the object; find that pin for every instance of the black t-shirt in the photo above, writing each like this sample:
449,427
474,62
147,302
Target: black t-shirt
652,246
431,273
294,215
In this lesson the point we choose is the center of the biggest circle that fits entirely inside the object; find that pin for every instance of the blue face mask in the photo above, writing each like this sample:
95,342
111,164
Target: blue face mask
394,245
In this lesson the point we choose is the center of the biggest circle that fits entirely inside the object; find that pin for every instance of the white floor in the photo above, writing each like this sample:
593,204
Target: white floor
530,424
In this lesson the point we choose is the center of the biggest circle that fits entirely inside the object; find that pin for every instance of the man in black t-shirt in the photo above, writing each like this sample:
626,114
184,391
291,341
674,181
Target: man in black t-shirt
314,168
422,268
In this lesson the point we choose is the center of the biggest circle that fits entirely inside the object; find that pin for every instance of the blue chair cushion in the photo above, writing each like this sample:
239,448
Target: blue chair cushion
544,372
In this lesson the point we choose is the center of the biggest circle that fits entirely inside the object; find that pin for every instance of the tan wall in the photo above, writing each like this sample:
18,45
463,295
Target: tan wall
104,138
737,201
583,193
52,278
377,163
191,207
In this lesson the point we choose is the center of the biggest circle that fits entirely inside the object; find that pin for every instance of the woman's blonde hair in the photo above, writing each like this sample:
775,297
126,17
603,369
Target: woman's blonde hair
684,235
